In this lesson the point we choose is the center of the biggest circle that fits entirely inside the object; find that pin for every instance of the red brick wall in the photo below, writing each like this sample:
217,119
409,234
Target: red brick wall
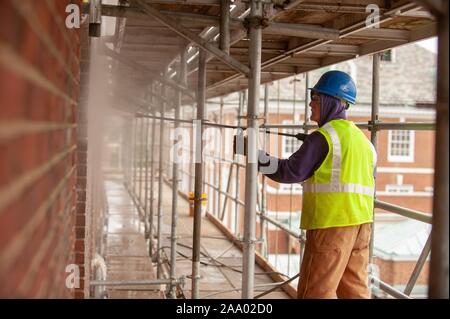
399,272
39,88
82,151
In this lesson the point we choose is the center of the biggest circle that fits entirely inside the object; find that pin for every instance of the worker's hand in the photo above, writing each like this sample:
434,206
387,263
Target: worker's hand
240,144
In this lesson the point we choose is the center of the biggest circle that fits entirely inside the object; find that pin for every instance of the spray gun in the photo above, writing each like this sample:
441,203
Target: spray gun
298,136
239,142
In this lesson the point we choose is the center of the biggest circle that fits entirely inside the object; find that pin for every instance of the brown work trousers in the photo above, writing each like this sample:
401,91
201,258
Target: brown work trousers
335,263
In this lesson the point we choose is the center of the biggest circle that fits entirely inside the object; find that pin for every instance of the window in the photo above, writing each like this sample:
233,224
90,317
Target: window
401,189
289,144
387,56
401,146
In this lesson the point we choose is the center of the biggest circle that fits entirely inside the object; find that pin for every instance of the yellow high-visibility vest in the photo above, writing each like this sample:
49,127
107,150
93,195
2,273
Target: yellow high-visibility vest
341,191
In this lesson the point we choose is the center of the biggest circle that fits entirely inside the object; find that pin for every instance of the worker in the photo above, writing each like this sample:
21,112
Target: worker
336,166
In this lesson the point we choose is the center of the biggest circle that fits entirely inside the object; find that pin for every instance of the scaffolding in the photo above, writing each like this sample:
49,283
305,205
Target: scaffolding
163,111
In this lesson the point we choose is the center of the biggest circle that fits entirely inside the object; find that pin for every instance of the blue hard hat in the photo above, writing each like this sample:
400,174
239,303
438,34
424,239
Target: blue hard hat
338,84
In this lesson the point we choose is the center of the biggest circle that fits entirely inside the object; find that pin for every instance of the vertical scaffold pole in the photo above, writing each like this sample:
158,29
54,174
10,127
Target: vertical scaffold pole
438,280
198,183
242,96
175,173
251,170
160,184
263,221
133,183
373,135
219,198
152,177
305,130
141,168
225,26
146,140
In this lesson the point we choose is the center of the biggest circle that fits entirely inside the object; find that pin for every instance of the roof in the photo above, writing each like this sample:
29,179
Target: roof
299,36
403,240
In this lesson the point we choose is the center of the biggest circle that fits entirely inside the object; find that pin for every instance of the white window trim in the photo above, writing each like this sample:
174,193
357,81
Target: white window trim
285,154
413,194
286,188
406,170
284,191
396,188
429,189
402,159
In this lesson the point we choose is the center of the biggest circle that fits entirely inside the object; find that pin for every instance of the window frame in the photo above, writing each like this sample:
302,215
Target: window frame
397,188
392,57
284,153
401,158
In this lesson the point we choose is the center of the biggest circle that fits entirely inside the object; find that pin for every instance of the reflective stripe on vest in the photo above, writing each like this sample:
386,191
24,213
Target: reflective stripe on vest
335,186
338,188
336,161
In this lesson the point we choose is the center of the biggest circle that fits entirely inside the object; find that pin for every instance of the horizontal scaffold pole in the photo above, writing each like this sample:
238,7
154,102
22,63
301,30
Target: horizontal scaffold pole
193,37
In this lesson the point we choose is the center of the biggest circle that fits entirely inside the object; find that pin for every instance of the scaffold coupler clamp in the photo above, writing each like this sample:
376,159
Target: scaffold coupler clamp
181,281
372,125
251,241
255,22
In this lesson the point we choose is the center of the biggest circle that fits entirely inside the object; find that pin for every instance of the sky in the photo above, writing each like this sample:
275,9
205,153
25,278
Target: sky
430,44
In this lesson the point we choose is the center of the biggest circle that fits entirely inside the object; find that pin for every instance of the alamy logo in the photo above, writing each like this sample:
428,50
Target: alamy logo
73,279
186,148
74,18
373,20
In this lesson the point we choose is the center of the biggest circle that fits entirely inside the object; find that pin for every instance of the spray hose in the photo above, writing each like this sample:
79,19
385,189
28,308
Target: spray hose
298,136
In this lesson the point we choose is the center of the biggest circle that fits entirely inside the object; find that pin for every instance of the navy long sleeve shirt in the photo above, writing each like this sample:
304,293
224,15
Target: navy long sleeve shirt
302,164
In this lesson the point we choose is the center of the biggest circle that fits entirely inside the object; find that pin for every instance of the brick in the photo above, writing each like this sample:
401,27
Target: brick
80,220
82,146
84,65
80,232
21,275
81,195
41,275
82,136
81,182
81,208
79,258
13,88
79,294
84,79
82,157
81,170
22,210
82,271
